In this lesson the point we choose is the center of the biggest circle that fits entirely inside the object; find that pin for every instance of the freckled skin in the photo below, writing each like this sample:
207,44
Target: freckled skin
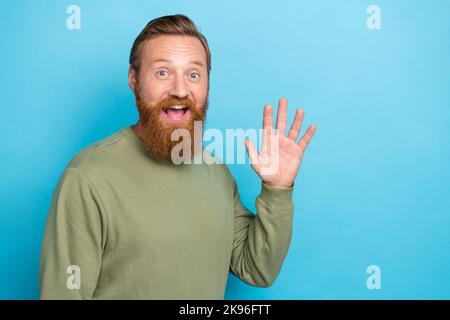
181,51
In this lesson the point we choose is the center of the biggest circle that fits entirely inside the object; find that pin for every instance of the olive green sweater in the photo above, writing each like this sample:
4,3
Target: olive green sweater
126,226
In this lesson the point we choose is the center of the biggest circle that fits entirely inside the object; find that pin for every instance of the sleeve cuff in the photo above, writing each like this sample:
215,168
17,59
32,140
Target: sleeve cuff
276,197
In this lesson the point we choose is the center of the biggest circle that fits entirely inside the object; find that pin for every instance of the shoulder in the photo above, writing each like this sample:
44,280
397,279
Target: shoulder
97,154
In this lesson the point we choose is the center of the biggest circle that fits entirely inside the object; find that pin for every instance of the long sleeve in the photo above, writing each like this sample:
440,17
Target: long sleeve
261,241
73,240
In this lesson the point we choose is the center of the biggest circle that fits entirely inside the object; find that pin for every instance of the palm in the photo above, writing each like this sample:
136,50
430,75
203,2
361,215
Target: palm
280,157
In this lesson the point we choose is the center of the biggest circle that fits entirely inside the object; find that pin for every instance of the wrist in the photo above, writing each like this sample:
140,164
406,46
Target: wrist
279,185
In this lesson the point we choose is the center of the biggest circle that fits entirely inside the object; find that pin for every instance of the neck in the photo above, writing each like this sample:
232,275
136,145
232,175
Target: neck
138,130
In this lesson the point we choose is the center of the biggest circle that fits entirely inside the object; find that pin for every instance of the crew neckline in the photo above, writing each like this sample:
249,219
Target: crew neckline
134,138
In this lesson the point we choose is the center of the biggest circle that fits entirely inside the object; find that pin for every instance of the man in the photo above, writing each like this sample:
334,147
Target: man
126,222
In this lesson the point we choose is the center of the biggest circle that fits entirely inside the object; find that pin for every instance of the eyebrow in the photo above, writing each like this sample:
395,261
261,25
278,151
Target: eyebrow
199,63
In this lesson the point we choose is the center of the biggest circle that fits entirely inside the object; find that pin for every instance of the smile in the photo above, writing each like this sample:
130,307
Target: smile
176,113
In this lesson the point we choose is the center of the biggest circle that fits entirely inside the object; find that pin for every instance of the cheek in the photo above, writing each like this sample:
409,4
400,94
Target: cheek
153,90
201,92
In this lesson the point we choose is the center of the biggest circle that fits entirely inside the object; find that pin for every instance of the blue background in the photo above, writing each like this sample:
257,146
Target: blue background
374,186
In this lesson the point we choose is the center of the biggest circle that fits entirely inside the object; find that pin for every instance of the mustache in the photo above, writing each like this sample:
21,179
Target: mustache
167,103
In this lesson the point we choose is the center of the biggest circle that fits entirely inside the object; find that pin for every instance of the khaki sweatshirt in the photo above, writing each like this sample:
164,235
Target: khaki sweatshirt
124,226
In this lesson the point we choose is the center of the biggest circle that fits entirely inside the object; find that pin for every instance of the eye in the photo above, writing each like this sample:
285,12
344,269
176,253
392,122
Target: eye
162,74
194,75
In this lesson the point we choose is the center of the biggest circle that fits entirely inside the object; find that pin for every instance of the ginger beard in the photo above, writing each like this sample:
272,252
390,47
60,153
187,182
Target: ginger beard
157,129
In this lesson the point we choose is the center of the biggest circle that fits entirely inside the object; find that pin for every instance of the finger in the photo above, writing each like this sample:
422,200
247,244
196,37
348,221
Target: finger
296,125
281,116
267,117
267,125
306,139
252,152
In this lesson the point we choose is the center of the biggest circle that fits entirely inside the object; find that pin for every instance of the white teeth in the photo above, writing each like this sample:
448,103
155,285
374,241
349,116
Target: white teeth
177,107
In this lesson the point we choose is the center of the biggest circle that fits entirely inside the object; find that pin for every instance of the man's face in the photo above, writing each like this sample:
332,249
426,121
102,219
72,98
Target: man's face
171,89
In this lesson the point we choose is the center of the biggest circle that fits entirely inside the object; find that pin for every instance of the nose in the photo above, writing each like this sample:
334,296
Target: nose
179,88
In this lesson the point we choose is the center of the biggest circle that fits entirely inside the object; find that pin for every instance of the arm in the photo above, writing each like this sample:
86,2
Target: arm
74,237
261,242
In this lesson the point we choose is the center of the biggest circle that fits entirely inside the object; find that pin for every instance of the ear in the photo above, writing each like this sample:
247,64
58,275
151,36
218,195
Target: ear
132,78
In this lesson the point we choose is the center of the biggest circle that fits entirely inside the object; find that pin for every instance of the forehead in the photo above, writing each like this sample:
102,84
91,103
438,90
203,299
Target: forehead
175,48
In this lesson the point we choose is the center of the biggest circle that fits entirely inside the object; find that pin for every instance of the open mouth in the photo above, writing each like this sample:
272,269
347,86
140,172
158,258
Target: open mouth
176,113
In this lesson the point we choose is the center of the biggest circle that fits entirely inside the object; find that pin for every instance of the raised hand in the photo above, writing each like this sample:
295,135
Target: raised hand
280,157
